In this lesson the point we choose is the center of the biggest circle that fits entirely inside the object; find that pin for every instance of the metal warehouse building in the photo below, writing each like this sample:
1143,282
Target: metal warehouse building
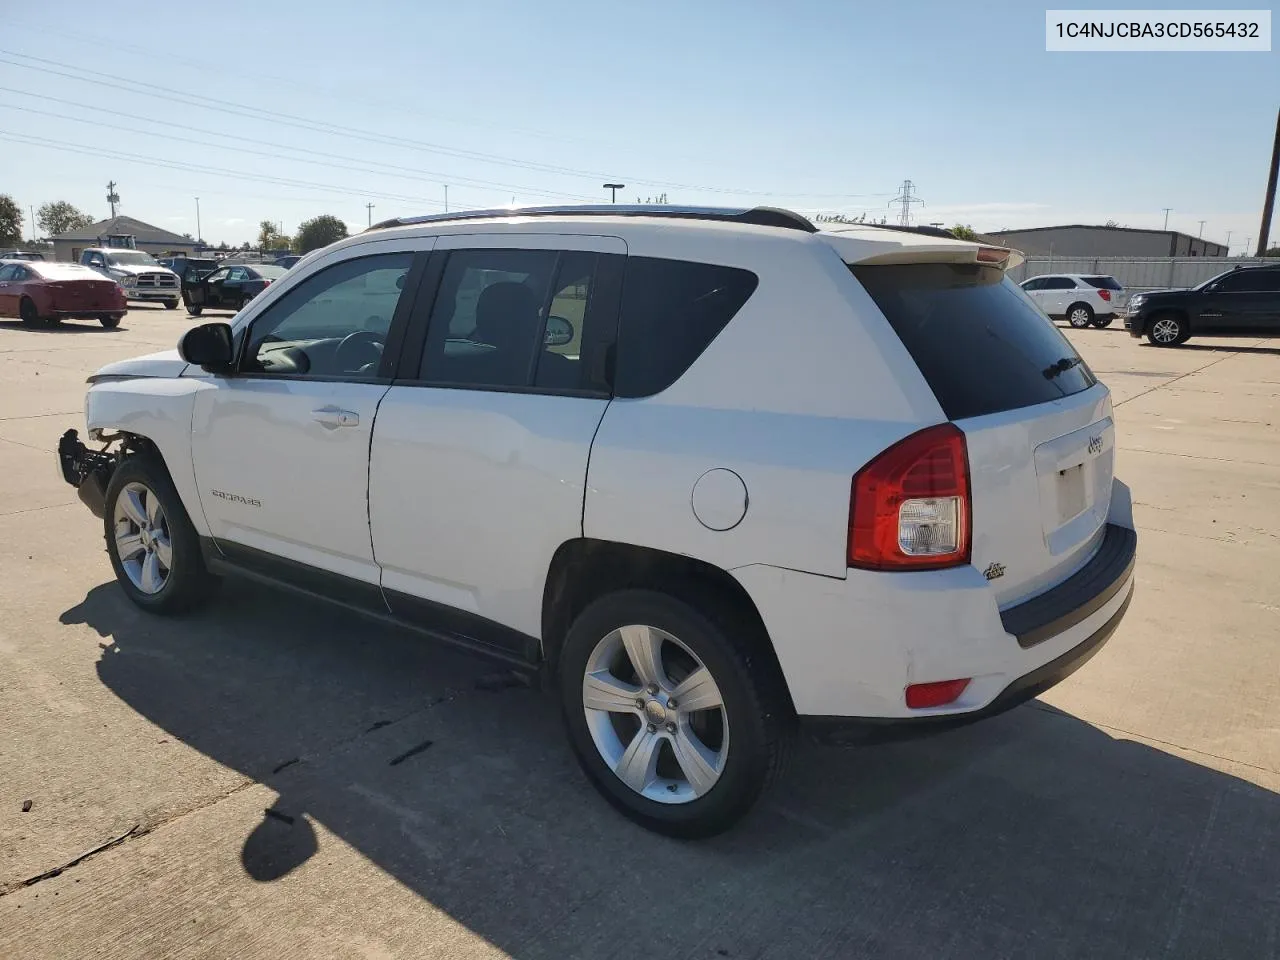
1082,240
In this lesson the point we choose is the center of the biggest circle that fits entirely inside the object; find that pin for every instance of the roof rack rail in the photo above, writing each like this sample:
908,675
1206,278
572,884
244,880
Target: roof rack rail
758,216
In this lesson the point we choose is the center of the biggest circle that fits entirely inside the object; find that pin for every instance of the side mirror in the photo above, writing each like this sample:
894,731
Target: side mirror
559,331
208,346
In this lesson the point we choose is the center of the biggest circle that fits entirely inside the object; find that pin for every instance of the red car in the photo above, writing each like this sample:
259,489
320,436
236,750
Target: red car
47,293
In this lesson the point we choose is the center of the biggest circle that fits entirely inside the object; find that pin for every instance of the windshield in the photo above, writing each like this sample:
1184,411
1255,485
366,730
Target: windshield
132,258
269,271
1205,283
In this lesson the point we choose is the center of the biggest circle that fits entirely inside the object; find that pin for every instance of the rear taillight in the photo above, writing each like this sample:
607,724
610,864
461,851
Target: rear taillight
910,506
1105,295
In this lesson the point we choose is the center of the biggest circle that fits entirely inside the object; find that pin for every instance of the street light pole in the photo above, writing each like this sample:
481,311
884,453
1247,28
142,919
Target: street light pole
1201,233
446,198
1166,216
199,233
613,189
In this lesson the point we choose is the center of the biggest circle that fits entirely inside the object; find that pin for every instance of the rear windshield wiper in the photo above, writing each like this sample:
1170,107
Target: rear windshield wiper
1062,366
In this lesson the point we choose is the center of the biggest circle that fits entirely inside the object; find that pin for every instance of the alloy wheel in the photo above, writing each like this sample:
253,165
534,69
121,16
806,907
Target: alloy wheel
1079,318
1165,330
655,714
142,538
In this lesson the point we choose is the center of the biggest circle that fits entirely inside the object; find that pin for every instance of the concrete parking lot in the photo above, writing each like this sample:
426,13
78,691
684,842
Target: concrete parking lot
244,770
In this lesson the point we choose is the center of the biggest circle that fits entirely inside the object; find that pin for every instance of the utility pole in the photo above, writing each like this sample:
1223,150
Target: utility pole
369,207
1201,233
1269,202
614,188
1166,216
199,232
34,238
1229,232
112,197
906,198
446,198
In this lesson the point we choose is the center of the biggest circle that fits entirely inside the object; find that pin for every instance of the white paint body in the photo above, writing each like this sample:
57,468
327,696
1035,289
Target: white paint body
462,497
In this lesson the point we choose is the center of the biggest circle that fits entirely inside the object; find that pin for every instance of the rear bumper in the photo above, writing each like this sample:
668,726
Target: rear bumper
110,311
849,648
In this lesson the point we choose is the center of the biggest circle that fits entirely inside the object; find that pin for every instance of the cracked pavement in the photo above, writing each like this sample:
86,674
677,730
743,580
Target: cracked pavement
269,778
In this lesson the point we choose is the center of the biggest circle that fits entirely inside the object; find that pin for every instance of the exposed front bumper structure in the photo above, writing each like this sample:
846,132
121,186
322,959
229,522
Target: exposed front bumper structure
89,471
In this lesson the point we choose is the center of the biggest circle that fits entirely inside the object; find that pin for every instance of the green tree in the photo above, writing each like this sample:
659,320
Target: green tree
962,231
1271,252
10,221
59,217
269,237
318,232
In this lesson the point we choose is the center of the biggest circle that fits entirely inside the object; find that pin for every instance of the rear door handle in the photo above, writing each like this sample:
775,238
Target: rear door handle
334,417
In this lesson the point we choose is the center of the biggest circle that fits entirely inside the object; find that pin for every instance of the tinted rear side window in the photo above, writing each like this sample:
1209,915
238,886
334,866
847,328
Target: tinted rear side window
671,311
980,342
1102,283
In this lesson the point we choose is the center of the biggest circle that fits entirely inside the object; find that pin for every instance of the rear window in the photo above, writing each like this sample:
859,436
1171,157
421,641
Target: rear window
978,339
1103,283
671,311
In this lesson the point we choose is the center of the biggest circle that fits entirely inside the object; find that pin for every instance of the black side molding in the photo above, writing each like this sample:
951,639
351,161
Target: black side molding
1078,597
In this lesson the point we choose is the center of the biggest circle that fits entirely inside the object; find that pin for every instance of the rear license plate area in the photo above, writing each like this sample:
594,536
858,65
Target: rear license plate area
1071,493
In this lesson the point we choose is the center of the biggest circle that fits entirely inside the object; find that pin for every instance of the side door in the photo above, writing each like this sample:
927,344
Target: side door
1034,289
480,452
206,293
231,292
1059,292
8,294
1233,303
281,447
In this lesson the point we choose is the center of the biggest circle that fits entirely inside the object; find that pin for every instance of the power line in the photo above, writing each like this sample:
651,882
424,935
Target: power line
212,171
316,126
408,175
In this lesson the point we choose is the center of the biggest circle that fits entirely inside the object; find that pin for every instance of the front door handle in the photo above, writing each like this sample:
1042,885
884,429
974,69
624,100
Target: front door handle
334,417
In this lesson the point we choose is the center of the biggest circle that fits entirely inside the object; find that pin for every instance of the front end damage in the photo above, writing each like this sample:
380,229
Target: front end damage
89,471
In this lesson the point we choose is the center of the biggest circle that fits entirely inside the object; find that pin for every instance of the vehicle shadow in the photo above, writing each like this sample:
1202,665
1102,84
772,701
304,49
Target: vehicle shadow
1220,348
66,326
1032,834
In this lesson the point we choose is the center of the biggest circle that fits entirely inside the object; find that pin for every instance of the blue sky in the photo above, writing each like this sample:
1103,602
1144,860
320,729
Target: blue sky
815,105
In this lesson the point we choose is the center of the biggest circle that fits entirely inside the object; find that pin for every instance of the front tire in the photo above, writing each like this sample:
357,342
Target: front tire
671,714
154,549
28,312
171,304
195,311
1080,316
1168,330
108,321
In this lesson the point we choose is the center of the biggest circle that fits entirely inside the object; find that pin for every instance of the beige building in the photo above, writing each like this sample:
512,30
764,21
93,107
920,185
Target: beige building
155,241
1082,240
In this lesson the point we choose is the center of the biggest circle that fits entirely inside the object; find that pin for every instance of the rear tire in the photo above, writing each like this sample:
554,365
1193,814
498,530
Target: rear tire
1101,322
29,313
1168,330
171,304
697,772
109,322
195,311
162,569
1080,316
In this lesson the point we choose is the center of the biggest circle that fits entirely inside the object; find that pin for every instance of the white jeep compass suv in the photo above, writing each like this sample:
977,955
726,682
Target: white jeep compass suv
718,474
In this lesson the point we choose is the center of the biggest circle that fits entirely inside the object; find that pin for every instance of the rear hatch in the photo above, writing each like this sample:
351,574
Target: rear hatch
1037,423
1115,293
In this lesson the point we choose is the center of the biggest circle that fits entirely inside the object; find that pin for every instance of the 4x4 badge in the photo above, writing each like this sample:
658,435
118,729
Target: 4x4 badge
1095,444
993,571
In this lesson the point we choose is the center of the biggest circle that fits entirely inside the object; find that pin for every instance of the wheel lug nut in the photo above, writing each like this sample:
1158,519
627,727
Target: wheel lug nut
672,704
640,702
671,728
652,688
652,728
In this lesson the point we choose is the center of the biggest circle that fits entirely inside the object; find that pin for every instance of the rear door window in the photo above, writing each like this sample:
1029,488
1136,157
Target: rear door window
978,339
671,311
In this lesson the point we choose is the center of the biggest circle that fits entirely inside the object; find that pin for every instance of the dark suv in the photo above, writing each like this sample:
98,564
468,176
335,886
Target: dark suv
1241,302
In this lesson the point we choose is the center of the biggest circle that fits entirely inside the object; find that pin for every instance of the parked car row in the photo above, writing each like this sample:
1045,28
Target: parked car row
1240,302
